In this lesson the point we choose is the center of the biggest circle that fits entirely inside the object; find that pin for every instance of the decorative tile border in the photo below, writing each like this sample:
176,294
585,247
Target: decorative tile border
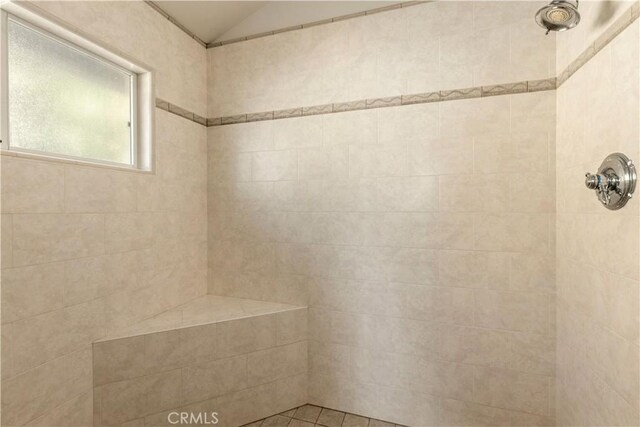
179,111
624,21
393,101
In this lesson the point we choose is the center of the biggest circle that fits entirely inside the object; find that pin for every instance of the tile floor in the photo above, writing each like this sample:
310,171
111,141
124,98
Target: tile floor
311,415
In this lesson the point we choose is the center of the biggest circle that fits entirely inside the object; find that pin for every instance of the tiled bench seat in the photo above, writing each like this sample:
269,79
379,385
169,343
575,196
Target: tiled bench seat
243,359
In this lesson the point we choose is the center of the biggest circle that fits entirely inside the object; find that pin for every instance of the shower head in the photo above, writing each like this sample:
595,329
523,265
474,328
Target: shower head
559,15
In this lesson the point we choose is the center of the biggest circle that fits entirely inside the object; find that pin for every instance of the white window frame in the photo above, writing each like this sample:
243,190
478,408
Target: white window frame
142,99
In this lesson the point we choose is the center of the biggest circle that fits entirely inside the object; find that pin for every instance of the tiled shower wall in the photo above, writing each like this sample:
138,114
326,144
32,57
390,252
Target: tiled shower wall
598,378
86,250
423,48
423,235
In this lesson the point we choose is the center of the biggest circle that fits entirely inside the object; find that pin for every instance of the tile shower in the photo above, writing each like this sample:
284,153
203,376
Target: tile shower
382,216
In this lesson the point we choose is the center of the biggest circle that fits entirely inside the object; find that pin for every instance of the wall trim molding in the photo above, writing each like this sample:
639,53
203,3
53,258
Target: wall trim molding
316,23
154,5
552,83
171,19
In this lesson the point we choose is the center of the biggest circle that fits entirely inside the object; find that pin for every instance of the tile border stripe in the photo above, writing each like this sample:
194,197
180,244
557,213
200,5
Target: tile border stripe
621,24
552,83
316,23
171,19
179,111
206,45
392,101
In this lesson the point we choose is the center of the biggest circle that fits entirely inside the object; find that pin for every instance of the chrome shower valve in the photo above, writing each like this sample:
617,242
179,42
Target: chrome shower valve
615,181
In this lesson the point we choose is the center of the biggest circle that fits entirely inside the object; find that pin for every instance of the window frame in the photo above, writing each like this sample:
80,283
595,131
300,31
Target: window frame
141,78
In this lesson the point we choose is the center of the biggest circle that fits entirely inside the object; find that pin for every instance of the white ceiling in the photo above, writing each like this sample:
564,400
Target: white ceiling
224,20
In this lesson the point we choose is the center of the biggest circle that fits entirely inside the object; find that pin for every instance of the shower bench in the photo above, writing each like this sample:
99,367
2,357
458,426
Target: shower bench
242,359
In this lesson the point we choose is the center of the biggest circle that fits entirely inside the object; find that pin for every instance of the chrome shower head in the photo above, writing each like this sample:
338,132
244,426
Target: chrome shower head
559,15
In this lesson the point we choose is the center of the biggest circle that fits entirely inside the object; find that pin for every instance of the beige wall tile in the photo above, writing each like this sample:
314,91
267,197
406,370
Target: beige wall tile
516,311
292,392
409,123
532,353
98,190
29,291
224,167
377,161
75,412
350,128
163,351
215,378
37,392
39,238
515,154
250,137
448,156
533,112
460,413
473,193
437,231
245,335
331,163
275,165
512,390
276,363
413,373
6,234
532,272
123,401
130,231
468,117
131,399
200,343
90,278
473,269
291,326
31,186
117,360
301,132
405,194
512,232
483,347
38,339
248,405
413,266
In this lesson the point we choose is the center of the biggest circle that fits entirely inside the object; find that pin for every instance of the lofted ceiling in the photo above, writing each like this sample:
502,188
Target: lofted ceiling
214,21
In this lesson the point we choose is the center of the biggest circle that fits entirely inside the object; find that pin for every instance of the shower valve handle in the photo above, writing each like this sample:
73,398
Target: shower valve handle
615,181
602,185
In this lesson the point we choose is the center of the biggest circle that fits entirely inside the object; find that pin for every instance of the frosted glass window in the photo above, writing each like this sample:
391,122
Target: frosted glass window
65,101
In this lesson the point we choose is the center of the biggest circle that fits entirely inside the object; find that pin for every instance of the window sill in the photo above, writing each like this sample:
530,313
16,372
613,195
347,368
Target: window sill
44,157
